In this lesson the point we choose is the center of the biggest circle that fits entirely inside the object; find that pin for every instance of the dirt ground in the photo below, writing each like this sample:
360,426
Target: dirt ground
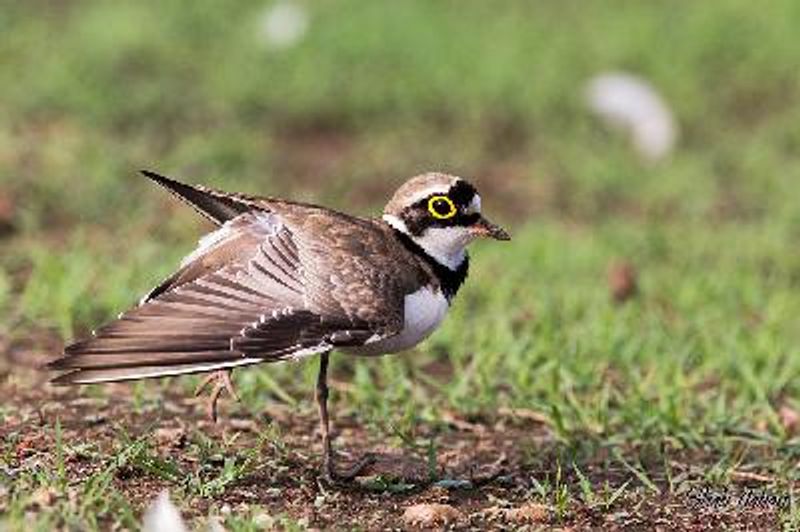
485,474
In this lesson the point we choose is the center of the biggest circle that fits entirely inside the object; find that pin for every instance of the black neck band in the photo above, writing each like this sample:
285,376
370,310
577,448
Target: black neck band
450,280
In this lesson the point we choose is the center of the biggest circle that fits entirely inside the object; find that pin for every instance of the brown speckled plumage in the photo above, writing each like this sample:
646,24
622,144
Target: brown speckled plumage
279,280
311,279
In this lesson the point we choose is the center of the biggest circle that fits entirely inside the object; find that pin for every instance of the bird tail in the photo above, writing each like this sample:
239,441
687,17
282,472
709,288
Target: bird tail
94,375
145,342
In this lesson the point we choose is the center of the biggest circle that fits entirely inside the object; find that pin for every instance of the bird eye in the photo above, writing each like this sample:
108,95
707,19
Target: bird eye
441,207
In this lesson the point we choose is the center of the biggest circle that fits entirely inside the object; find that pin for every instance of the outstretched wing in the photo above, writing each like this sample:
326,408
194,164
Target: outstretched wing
239,299
217,206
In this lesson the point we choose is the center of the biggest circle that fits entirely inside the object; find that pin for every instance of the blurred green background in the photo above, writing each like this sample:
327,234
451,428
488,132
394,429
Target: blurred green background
374,92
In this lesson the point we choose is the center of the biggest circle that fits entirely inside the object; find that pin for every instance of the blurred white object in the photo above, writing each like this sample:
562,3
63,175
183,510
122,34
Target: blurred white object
283,24
162,516
631,103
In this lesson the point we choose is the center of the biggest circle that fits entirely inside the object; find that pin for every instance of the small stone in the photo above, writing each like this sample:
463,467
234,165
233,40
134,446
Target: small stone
623,282
171,437
530,513
44,497
243,424
214,524
453,484
430,515
7,213
94,420
263,521
790,419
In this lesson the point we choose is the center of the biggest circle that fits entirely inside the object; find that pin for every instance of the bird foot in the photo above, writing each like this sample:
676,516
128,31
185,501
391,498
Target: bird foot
221,380
332,476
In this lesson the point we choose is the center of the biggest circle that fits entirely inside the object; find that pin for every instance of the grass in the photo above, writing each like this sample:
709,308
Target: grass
702,363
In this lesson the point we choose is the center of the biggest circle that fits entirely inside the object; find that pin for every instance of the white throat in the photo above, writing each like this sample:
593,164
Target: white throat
446,245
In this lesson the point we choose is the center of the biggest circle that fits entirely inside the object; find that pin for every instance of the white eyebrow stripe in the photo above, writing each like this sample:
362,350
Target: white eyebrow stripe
474,205
422,194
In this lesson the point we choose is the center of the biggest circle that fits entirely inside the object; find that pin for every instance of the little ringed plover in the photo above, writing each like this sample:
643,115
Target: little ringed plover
281,280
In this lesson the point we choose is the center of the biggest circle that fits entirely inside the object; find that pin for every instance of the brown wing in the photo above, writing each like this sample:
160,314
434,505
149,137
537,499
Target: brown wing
355,268
217,206
240,299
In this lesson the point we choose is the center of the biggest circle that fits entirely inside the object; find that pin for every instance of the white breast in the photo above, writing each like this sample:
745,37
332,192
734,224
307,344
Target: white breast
424,310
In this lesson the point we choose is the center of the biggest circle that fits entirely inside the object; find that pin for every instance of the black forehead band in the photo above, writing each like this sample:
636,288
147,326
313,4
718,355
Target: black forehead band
462,192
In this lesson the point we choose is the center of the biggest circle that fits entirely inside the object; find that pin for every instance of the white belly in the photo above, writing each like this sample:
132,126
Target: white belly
424,310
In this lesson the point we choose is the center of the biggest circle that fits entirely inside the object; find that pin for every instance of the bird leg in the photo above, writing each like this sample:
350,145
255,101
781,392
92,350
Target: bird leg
221,380
329,472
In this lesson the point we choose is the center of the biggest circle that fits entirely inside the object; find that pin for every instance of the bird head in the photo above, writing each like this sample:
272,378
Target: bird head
441,213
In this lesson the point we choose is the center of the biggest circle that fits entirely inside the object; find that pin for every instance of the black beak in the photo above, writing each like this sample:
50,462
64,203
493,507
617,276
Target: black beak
486,229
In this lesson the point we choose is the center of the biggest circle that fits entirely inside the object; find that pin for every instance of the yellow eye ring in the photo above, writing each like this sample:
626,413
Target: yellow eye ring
435,202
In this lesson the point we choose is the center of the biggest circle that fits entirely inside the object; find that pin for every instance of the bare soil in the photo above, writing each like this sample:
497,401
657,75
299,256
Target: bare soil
484,475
